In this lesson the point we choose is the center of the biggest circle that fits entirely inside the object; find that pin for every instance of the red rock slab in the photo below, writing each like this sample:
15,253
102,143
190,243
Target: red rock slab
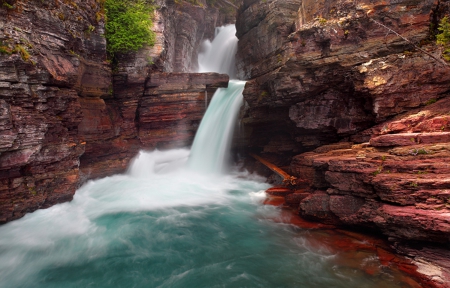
404,188
434,137
274,200
279,191
294,199
411,223
403,139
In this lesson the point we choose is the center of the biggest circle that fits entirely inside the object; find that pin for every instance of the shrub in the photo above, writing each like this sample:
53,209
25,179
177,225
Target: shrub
4,49
23,52
443,38
431,101
7,5
128,25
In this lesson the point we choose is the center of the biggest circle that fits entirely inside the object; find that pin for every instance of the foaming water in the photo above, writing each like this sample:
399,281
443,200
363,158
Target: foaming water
213,139
169,227
219,55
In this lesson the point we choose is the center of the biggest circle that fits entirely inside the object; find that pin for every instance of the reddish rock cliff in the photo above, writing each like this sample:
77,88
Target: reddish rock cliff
160,111
331,72
397,184
52,54
153,104
65,118
326,70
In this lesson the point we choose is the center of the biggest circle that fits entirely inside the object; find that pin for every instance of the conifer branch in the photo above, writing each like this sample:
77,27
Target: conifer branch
407,40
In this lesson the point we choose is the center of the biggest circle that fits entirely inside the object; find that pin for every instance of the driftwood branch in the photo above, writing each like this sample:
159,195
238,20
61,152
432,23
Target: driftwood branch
407,40
287,179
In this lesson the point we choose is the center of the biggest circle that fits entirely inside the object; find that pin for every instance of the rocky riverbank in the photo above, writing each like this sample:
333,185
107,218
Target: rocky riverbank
340,99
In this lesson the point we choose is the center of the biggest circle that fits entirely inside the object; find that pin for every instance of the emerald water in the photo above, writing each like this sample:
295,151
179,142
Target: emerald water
161,225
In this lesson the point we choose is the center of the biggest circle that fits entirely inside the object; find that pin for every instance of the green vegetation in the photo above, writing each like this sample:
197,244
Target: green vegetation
89,30
18,49
322,21
420,151
150,60
128,25
7,5
32,191
375,173
431,101
4,49
23,52
443,38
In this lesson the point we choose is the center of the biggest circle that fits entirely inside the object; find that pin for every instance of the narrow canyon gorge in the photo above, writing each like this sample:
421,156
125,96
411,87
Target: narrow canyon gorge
351,97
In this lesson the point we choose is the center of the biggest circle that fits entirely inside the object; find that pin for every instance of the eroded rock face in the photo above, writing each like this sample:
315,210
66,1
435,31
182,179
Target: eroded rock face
154,103
397,183
331,72
327,70
402,193
180,28
53,62
162,111
65,118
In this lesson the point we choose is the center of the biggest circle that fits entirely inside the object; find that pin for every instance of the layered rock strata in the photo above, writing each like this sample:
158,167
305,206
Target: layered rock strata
52,56
398,184
338,79
65,116
160,111
325,70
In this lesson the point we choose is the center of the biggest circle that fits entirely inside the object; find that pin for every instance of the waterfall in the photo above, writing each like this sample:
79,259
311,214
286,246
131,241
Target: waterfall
219,55
209,152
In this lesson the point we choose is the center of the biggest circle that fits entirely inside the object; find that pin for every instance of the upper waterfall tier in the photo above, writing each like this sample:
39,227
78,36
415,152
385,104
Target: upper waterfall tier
219,55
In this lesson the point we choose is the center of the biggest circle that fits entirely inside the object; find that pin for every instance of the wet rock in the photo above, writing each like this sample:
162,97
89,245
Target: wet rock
326,70
55,64
293,200
162,111
317,206
279,191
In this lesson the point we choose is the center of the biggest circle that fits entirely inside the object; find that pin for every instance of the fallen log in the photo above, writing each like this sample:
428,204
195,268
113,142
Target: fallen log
287,179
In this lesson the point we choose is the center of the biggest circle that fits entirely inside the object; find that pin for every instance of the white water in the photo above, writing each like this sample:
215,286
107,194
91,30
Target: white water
210,150
68,234
219,55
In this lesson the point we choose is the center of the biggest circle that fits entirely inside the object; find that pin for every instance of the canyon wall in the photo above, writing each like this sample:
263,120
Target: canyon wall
50,59
67,118
322,71
352,98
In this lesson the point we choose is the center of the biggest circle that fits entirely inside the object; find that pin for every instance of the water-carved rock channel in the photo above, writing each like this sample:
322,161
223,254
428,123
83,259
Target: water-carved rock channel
346,100
178,218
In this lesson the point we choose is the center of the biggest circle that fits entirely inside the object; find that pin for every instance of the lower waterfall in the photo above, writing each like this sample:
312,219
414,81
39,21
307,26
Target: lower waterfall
209,153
